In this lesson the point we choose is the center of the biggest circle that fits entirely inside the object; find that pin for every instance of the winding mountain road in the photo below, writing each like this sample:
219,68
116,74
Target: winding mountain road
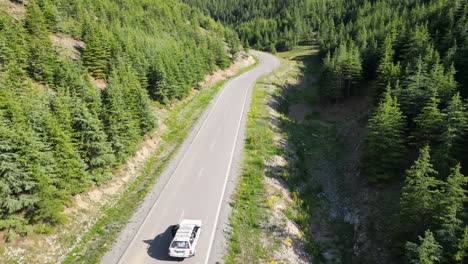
195,182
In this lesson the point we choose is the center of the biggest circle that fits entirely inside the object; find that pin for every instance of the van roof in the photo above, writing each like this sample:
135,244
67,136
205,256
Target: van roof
185,229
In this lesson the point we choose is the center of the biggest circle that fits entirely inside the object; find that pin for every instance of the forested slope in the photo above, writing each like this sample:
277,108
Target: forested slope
412,56
266,24
59,133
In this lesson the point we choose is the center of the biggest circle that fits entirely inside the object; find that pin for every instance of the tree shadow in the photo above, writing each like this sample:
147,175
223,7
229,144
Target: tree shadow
159,246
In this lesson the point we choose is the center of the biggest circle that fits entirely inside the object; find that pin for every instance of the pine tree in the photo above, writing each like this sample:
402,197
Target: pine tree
427,252
351,67
35,22
136,98
388,72
455,124
96,53
15,181
416,90
42,60
451,212
419,195
120,127
384,154
94,148
70,167
330,84
443,81
429,124
50,13
462,247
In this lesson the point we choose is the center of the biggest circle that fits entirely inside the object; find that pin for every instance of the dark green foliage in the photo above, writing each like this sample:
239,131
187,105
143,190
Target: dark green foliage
385,149
93,145
35,21
96,54
455,124
122,129
59,134
340,71
428,124
462,247
420,195
451,230
265,24
427,252
41,60
388,73
419,49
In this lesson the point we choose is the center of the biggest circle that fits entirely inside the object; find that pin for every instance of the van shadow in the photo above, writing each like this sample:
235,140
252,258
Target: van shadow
159,246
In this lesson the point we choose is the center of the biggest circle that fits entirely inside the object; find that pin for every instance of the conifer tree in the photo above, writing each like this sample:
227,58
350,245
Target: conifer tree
427,252
330,84
96,53
451,212
388,72
35,22
419,195
429,124
462,247
70,167
119,125
416,89
384,153
50,13
15,181
157,84
42,60
455,124
94,148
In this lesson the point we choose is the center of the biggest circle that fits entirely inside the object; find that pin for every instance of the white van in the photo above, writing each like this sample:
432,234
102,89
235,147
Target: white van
185,239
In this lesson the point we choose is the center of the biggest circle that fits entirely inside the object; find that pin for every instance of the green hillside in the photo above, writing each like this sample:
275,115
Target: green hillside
59,133
412,58
266,24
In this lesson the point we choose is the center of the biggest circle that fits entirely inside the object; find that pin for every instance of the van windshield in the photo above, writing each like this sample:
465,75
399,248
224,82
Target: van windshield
180,244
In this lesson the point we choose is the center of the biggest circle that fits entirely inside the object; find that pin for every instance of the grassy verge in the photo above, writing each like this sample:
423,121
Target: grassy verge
292,83
244,245
179,122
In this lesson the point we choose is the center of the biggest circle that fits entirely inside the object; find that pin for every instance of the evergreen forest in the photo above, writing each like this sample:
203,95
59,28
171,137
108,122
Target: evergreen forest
271,25
412,57
60,133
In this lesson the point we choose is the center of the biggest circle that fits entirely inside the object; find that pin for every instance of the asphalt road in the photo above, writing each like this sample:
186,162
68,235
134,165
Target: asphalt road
193,185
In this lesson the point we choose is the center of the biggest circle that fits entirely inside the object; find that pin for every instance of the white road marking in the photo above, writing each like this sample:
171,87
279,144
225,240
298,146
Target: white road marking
170,179
200,173
227,175
181,216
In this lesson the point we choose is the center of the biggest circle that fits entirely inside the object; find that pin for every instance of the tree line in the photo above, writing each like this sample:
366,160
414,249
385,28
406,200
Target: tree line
271,25
59,134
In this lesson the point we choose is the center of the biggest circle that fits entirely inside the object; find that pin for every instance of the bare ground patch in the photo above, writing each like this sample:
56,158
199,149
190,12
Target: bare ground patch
17,11
67,46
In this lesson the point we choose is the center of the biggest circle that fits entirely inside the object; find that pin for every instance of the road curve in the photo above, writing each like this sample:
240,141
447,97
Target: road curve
194,183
